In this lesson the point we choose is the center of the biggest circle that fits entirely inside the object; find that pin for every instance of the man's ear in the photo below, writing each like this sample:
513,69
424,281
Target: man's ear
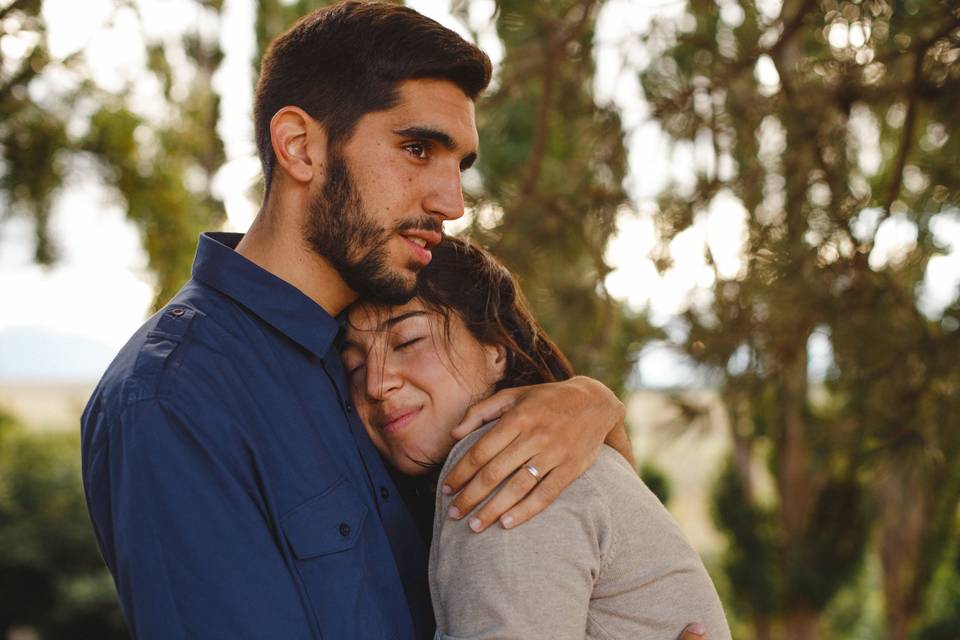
299,143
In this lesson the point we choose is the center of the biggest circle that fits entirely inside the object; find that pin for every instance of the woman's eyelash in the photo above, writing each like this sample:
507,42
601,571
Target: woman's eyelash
408,343
351,372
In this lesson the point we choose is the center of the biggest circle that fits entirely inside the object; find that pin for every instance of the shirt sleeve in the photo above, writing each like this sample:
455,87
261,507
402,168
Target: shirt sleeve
532,581
192,549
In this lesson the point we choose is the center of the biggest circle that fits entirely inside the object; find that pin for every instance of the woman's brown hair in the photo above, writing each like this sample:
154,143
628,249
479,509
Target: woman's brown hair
468,280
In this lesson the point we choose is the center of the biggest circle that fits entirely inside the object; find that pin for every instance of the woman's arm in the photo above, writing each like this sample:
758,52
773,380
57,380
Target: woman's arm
533,581
558,427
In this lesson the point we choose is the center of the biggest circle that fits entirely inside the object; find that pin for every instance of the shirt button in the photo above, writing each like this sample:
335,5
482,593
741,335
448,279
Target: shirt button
177,312
344,529
384,493
348,408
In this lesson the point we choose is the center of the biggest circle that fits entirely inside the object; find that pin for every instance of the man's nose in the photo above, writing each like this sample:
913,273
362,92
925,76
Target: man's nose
445,199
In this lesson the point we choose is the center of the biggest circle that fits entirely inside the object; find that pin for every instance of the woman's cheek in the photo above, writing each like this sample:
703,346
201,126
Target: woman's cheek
423,364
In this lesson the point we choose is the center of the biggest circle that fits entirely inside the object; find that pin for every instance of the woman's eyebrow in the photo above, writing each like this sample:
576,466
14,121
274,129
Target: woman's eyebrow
383,326
395,320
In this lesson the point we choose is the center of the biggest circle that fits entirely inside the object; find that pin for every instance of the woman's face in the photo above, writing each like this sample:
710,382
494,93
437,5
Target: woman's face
411,382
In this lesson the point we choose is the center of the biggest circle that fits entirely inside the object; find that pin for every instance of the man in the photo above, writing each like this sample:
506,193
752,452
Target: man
233,491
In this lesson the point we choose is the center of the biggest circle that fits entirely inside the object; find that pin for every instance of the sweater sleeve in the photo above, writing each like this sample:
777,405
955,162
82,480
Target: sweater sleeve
534,580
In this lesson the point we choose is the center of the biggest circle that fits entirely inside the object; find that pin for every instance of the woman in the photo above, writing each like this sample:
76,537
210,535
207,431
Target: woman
605,560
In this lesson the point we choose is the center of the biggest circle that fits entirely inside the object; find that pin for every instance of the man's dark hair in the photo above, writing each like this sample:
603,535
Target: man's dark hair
344,61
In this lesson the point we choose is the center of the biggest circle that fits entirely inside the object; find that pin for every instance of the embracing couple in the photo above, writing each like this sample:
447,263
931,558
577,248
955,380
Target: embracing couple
342,389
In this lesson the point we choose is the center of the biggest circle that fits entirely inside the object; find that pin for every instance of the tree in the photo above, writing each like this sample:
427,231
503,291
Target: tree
825,120
51,574
552,165
160,168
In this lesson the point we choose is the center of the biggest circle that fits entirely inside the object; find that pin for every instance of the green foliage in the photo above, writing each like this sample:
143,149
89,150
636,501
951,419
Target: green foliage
824,122
276,16
752,559
656,480
161,169
552,165
943,616
829,559
51,573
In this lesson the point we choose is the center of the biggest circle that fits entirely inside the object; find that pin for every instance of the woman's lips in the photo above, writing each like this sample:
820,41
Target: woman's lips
398,421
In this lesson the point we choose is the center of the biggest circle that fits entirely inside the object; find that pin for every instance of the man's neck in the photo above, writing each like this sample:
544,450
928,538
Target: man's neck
275,243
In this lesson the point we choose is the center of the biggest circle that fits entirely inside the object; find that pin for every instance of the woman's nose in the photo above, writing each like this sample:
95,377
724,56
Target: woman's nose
383,377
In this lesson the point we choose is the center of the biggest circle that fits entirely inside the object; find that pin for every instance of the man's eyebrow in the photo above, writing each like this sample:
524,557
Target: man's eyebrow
438,136
428,133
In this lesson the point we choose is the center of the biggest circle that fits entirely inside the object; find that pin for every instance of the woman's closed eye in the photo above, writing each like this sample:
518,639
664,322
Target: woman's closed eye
354,370
406,344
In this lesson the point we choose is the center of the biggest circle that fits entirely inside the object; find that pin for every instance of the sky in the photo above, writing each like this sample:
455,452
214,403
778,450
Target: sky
66,321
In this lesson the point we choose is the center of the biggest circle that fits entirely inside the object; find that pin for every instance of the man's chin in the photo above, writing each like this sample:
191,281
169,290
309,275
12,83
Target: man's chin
398,288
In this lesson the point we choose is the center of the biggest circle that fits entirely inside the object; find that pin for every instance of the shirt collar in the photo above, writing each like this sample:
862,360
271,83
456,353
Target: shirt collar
273,300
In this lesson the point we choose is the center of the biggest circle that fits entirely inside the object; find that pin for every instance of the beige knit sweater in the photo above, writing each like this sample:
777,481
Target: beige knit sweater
605,560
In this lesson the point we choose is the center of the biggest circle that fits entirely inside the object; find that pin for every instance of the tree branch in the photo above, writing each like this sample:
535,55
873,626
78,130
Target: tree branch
906,140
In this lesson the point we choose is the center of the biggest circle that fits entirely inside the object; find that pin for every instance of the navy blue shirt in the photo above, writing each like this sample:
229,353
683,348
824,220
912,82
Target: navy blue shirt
233,491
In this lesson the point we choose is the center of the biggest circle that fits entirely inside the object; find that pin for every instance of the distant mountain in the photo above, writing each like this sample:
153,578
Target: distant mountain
34,354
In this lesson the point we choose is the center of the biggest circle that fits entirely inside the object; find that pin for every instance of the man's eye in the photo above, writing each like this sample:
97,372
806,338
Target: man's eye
417,150
408,343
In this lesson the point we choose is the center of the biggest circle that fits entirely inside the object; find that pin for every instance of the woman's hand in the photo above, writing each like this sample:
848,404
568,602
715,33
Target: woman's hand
557,428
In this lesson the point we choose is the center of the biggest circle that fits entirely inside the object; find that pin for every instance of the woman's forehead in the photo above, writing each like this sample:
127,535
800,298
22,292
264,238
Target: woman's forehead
368,316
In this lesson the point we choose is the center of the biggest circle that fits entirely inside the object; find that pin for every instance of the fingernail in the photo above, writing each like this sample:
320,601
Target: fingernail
454,513
697,629
506,522
475,524
446,490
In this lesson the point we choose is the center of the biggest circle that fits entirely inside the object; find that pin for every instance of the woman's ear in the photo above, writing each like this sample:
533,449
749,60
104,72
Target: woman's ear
497,360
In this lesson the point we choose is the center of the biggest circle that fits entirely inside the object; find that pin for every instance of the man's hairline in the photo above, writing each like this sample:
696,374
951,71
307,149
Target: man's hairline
343,140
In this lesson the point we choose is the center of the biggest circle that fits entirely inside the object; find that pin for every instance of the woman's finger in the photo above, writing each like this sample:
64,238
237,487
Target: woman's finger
493,474
522,482
542,495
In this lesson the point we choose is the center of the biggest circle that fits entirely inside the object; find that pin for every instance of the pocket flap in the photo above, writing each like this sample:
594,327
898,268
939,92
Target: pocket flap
329,523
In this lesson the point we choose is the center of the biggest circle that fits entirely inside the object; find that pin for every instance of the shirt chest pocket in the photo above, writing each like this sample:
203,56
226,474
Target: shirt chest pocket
327,524
326,539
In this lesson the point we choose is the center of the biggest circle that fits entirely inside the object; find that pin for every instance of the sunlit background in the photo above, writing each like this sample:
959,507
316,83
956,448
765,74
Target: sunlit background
717,269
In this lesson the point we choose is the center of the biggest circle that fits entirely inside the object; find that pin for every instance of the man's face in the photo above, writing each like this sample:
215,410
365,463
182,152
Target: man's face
391,187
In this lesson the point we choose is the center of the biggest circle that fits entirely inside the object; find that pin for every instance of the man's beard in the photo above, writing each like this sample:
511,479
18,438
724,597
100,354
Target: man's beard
340,230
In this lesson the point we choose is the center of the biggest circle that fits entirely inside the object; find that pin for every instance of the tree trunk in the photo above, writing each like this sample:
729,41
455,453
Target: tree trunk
802,624
904,514
795,485
761,628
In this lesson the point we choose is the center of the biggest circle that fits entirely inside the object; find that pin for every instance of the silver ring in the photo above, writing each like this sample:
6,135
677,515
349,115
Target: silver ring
532,470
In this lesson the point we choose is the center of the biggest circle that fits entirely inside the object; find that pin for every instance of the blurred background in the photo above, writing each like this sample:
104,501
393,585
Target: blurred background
742,215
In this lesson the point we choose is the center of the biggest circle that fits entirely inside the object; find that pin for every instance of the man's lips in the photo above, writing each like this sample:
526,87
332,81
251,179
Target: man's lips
397,420
420,242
